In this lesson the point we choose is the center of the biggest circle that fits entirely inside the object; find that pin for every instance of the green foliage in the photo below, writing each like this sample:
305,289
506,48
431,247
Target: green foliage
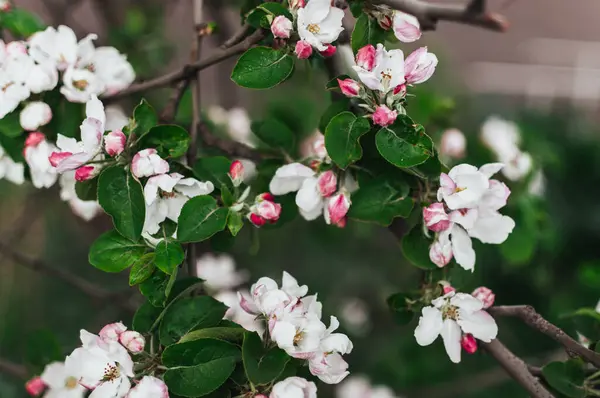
275,134
335,108
214,169
21,23
235,222
565,377
142,269
200,219
168,140
262,67
415,248
262,365
169,255
87,190
10,125
404,144
587,322
144,317
366,31
400,306
42,349
263,15
380,201
155,288
144,118
112,252
234,334
121,196
342,137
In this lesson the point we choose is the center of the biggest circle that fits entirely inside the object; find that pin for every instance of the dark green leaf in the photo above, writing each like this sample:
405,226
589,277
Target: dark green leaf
262,365
275,9
171,283
275,134
141,269
144,317
112,252
415,247
403,144
169,255
154,288
169,140
121,196
398,304
262,67
13,147
42,348
200,219
235,222
189,314
21,23
144,118
332,110
380,201
214,169
197,351
565,377
226,196
87,190
587,322
342,138
10,125
230,334
366,31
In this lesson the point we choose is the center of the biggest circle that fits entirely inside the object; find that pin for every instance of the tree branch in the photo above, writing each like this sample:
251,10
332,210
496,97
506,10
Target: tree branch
13,369
429,14
232,148
528,315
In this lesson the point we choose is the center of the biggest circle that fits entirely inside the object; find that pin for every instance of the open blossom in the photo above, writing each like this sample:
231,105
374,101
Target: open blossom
454,144
419,66
34,115
236,313
11,170
79,85
294,387
387,72
112,69
147,163
13,80
452,315
406,27
360,387
62,380
149,387
219,273
37,150
55,46
384,116
319,23
281,27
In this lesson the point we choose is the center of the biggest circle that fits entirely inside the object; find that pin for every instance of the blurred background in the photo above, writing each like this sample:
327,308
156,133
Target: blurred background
543,74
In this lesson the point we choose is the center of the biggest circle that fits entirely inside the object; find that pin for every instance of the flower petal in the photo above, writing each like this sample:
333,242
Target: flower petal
430,326
451,335
480,324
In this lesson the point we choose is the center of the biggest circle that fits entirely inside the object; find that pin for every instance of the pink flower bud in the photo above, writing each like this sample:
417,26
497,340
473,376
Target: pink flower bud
350,88
114,142
468,343
265,196
384,116
485,295
112,331
296,4
35,386
257,220
147,163
406,27
133,341
56,157
268,210
329,52
338,207
281,27
447,289
435,217
33,139
440,251
385,21
400,90
327,183
365,57
303,50
453,144
341,223
419,66
236,173
85,173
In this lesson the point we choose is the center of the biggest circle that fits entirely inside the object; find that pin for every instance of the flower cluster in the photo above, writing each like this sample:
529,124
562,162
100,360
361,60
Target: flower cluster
468,208
103,364
385,76
460,318
361,387
294,324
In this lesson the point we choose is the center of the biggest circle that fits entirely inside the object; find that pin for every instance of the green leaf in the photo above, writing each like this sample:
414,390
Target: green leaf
121,196
231,334
342,138
380,201
587,322
112,252
155,287
42,347
13,147
415,247
235,222
332,110
145,317
141,269
400,307
144,118
275,134
276,9
262,68
403,144
565,377
199,367
21,23
171,283
366,31
189,314
200,219
67,117
262,365
227,196
169,255
168,139
214,169
87,190
10,125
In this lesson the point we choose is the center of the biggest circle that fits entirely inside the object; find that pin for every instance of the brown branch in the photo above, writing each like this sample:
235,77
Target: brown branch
189,70
528,315
232,148
13,369
170,110
517,369
429,14
237,37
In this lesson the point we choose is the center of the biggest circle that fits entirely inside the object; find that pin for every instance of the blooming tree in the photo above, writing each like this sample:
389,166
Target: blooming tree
201,334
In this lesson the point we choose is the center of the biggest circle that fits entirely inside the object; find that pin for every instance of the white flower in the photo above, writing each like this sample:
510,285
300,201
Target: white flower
73,153
451,315
147,163
454,144
34,115
149,387
86,209
112,69
62,381
237,314
464,185
165,195
219,272
11,170
289,178
116,119
388,72
13,84
360,387
299,336
80,85
330,368
55,46
319,23
294,387
335,342
37,151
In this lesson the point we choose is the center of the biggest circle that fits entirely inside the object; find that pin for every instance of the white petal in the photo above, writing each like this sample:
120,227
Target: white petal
312,215
492,229
289,178
462,169
289,284
480,324
490,169
55,374
308,198
95,109
451,335
430,326
191,187
466,302
462,247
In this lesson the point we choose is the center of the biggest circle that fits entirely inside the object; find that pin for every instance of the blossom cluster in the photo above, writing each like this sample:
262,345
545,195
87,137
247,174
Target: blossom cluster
294,325
102,364
468,208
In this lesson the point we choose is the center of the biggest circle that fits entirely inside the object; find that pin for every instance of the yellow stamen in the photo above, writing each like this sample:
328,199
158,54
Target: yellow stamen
80,84
313,28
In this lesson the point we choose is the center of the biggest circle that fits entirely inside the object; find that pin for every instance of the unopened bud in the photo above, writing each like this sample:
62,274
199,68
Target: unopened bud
350,88
257,220
468,343
236,173
35,386
384,116
281,27
338,206
327,183
133,341
329,52
365,57
435,217
485,295
112,331
114,142
303,50
85,173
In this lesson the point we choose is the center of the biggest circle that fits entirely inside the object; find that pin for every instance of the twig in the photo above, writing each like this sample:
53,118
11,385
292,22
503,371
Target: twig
528,315
237,37
189,70
13,369
170,110
517,369
231,148
430,13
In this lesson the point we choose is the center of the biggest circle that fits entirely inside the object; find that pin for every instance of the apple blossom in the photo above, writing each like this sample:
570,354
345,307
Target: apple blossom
329,51
13,81
147,163
294,387
112,331
435,217
56,46
330,368
384,116
464,185
337,207
468,343
133,341
236,173
149,387
80,85
219,273
453,144
320,24
289,178
303,49
114,143
34,115
327,183
451,315
365,57
86,209
419,66
386,74
11,170
85,173
406,27
355,315
62,380
35,386
360,387
281,27
237,314
485,295
300,337
37,150
350,88
440,251
112,69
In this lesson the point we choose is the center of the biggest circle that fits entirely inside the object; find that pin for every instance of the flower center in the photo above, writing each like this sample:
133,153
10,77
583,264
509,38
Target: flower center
80,85
165,194
386,77
298,338
7,86
450,312
111,372
459,189
313,28
71,383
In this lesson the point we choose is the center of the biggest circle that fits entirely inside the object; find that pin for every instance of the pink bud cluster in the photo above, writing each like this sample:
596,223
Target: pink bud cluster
264,210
